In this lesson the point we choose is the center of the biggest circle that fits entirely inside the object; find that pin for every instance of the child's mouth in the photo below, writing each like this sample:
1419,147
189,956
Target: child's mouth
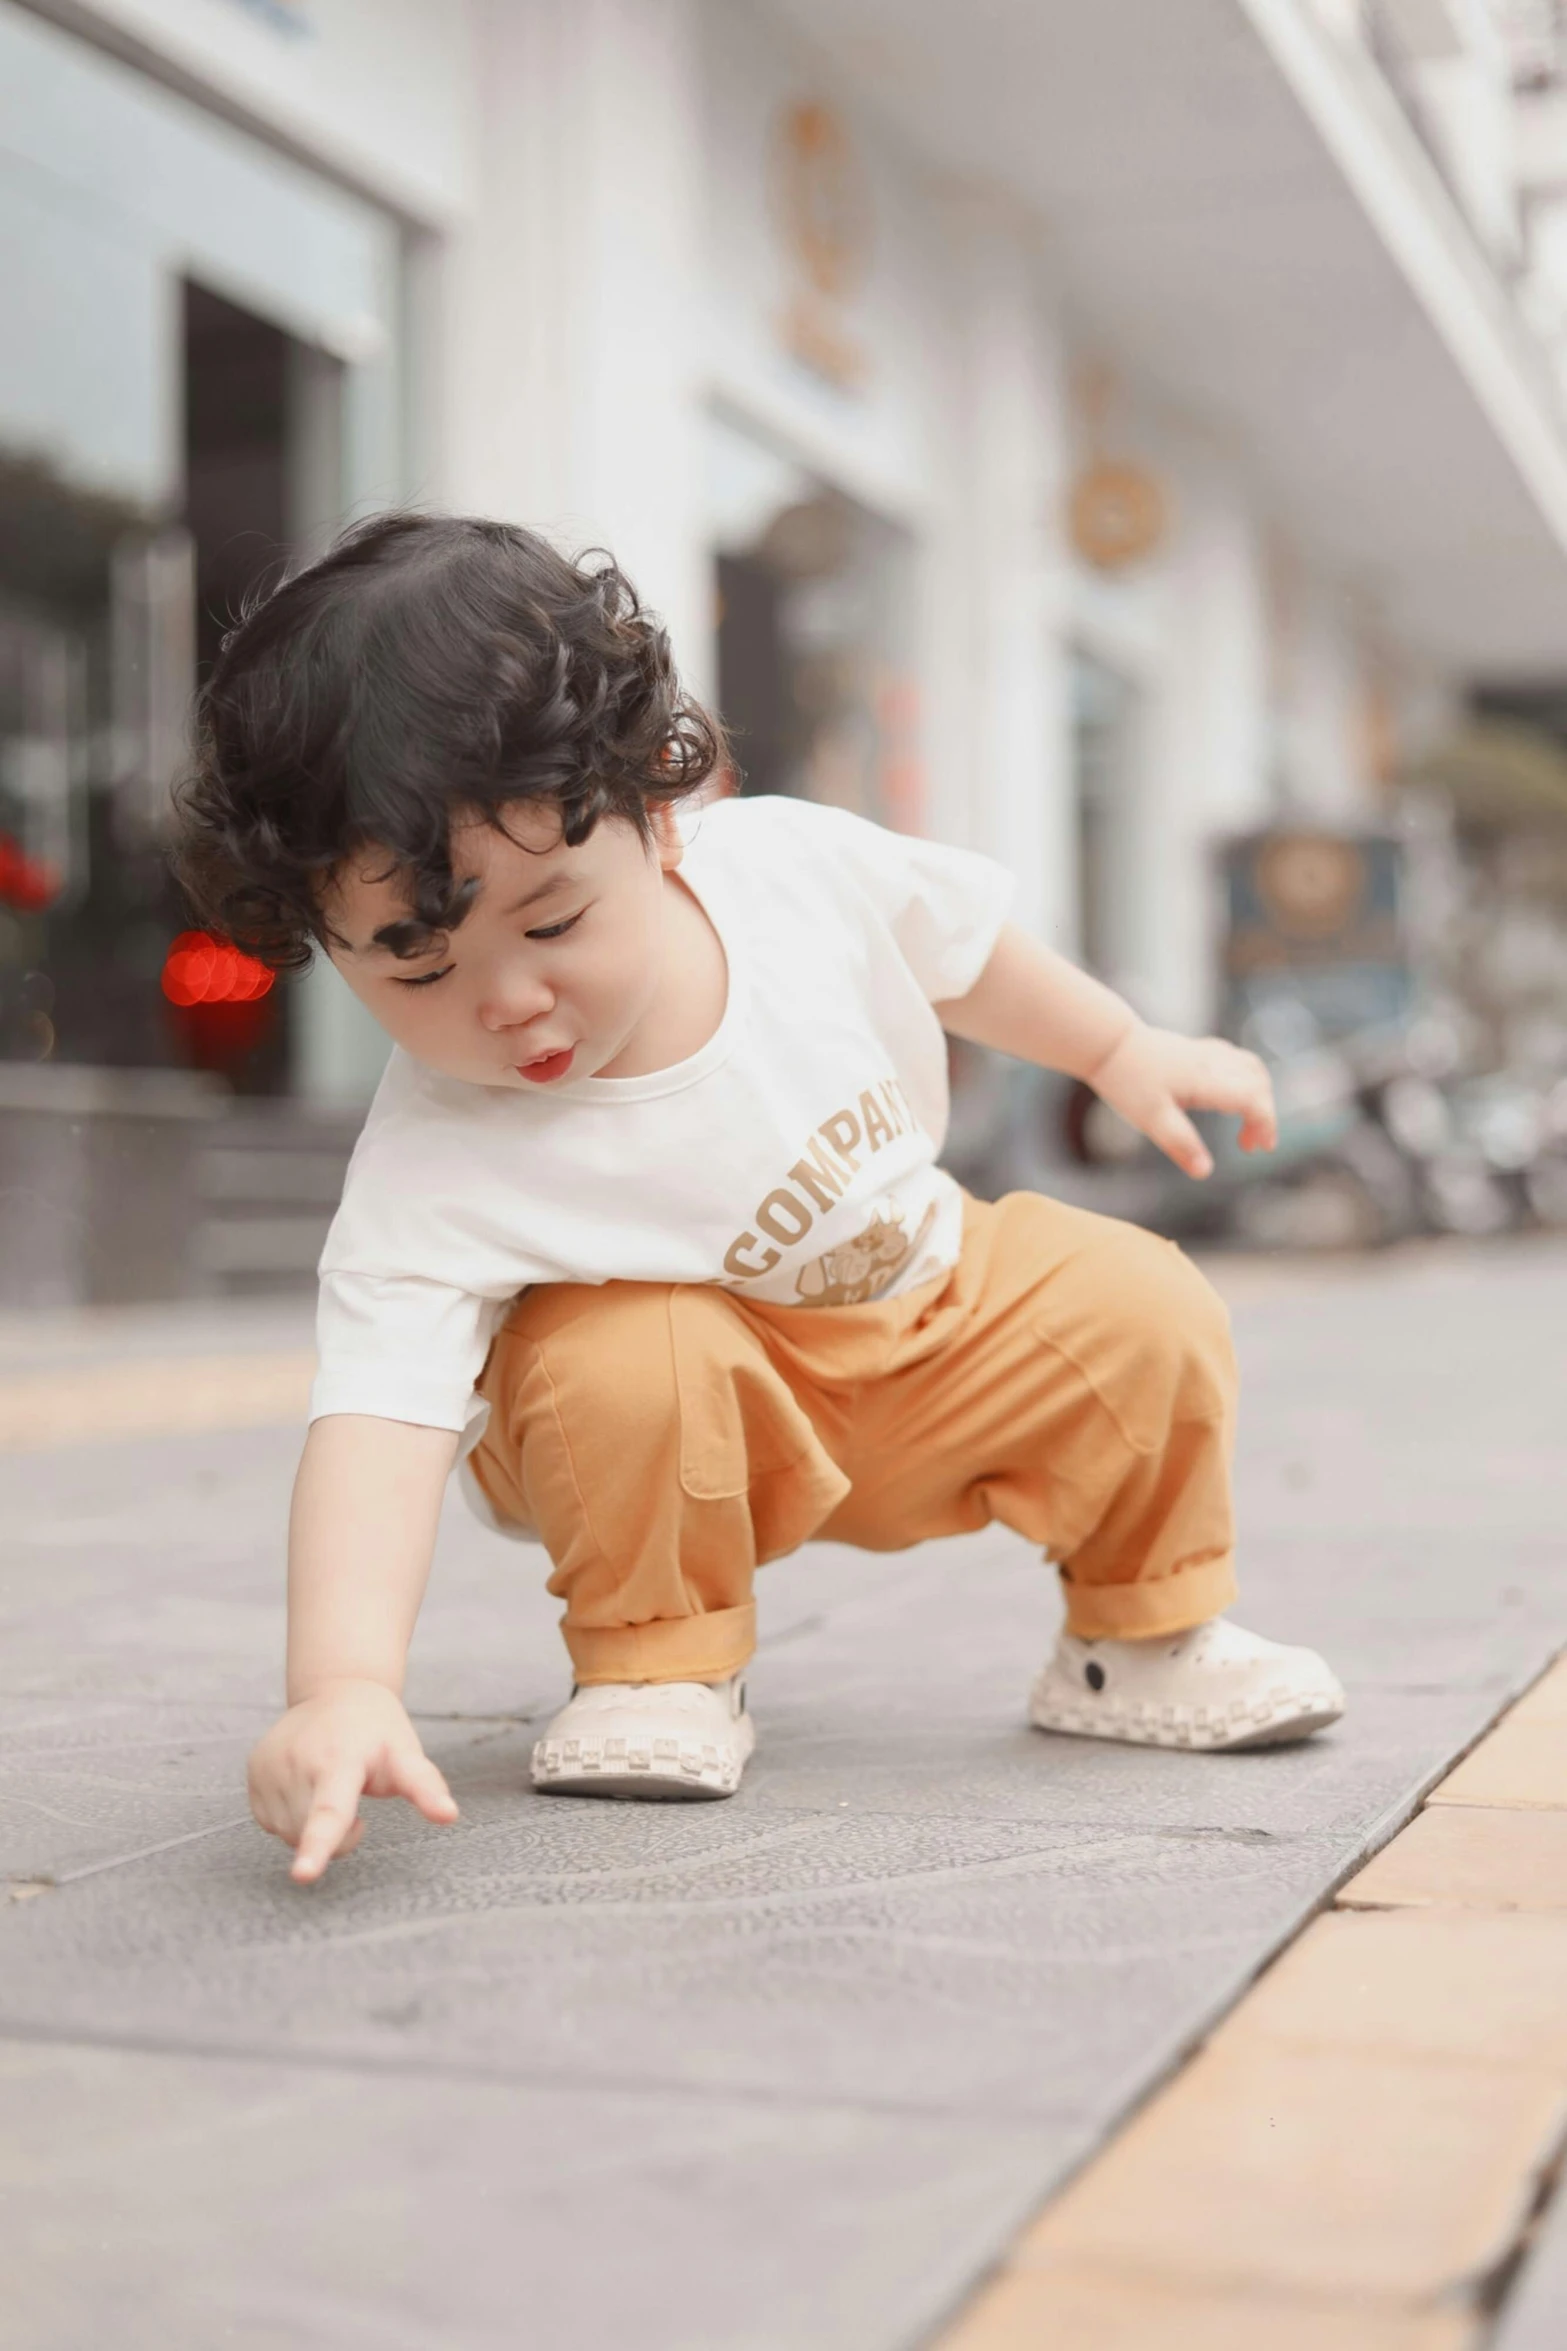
548,1065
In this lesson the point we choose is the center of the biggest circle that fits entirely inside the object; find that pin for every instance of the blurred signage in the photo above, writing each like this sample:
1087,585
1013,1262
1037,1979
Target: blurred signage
823,207
1314,921
289,17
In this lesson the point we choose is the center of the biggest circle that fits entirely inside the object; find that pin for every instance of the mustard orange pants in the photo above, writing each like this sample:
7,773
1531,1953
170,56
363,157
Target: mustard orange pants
1072,1376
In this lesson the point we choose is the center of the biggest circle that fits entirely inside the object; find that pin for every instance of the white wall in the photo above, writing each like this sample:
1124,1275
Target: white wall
1201,768
379,89
1250,670
1321,747
571,376
1000,749
953,430
879,439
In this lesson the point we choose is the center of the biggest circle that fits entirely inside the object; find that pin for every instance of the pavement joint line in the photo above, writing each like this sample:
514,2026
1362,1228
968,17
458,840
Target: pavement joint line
1476,2296
93,1869
789,1832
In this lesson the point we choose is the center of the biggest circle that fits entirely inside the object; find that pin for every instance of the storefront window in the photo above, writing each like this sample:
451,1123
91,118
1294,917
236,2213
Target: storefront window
108,617
64,867
203,377
814,635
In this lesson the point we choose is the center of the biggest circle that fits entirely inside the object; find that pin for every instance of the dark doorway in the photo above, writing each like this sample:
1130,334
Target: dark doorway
244,381
237,377
762,715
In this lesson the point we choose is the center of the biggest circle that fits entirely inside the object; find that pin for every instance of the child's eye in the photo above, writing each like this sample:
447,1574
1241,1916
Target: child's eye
427,979
558,930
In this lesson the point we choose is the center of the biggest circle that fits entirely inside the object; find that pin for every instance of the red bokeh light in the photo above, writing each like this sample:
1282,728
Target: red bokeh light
26,883
199,969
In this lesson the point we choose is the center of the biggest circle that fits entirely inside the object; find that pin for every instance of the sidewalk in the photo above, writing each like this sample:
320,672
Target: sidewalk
785,2074
1385,2106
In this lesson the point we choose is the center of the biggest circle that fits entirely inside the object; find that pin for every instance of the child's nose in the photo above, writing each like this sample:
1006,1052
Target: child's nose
513,999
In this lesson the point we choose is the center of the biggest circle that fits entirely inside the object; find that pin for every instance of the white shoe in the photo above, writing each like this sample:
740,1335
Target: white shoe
1213,1687
668,1741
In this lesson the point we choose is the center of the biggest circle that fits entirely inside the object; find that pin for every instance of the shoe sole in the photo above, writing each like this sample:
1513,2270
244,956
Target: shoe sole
1288,1722
644,1789
1287,1732
710,1783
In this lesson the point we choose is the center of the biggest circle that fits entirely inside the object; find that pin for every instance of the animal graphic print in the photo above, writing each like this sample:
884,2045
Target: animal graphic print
861,1269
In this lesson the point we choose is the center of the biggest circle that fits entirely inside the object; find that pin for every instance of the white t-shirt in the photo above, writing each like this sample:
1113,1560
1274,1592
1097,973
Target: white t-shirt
793,1158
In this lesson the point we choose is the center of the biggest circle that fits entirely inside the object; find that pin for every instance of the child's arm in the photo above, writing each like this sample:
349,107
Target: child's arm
361,1535
1030,1002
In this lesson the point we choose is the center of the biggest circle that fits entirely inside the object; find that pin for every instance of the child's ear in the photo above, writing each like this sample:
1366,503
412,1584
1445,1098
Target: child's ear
666,835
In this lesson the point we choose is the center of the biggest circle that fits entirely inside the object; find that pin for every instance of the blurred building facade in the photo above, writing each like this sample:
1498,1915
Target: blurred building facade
1088,433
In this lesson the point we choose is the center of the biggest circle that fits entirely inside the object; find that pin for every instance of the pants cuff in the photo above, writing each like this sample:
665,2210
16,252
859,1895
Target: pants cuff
1147,1611
674,1649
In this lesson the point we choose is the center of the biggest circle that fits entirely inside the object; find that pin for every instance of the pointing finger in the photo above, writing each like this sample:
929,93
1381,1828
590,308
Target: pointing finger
1258,1110
1260,1129
332,1816
1179,1140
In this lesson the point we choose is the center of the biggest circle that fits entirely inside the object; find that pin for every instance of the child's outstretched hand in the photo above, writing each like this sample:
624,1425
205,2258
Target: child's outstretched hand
1153,1077
348,1739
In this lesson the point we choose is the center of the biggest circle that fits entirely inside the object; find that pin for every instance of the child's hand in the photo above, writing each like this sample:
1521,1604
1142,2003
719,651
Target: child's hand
1153,1077
350,1739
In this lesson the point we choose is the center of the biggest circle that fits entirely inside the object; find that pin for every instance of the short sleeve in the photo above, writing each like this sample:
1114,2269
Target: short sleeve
945,907
399,1348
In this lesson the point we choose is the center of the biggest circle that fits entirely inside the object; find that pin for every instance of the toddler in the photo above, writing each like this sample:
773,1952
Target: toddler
646,1228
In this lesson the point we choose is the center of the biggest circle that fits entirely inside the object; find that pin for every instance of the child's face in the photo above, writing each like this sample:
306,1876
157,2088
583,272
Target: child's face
551,970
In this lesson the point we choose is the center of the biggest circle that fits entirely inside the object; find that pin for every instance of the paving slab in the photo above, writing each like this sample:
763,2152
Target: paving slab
1523,1765
85,1783
932,1964
1084,2309
803,2061
1468,1857
1341,2173
1547,1701
151,1570
167,2203
1449,1985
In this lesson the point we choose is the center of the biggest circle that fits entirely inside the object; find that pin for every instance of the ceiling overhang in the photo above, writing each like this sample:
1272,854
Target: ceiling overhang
1236,207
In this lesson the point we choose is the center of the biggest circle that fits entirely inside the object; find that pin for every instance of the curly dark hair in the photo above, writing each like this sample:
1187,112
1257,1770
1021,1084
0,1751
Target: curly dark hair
427,669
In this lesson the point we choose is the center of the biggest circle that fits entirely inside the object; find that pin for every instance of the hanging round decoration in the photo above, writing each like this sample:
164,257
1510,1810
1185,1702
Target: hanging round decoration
822,197
822,203
1118,514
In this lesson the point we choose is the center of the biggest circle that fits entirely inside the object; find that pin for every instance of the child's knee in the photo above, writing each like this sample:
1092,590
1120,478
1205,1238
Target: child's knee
1165,1338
